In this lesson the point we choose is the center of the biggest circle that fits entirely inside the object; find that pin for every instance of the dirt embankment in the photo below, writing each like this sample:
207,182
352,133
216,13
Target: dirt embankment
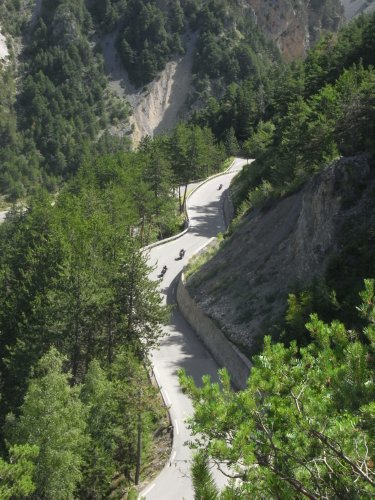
157,106
244,288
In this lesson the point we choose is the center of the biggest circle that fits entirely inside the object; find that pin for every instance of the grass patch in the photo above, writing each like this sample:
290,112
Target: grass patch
196,262
226,163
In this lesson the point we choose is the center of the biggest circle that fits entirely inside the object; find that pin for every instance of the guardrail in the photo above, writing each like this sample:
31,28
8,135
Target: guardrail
179,235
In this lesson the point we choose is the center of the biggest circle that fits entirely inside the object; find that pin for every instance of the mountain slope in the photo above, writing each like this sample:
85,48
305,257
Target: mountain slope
296,26
283,247
317,241
230,46
3,48
355,7
66,104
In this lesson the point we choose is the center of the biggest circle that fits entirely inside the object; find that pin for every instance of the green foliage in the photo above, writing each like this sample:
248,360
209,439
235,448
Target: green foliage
16,477
150,38
230,46
52,418
107,12
311,124
257,145
13,18
316,298
196,262
333,53
98,395
116,399
238,109
352,262
73,276
62,105
194,155
230,142
63,80
203,483
20,163
303,426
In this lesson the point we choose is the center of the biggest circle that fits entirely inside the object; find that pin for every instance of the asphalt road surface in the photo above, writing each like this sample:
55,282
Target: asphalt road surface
181,348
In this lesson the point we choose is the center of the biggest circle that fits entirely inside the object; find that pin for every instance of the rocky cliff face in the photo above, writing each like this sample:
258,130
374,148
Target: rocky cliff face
353,8
295,25
279,248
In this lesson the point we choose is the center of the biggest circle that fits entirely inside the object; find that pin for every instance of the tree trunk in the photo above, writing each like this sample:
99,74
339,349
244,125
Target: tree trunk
139,449
110,341
142,228
179,199
184,200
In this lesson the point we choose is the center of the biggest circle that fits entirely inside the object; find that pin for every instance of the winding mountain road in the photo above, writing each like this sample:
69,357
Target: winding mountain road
181,348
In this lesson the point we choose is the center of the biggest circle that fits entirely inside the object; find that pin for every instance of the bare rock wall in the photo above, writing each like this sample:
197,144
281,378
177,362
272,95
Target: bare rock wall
281,247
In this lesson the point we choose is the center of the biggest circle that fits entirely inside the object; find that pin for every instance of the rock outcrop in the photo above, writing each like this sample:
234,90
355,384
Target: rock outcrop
159,105
4,53
353,8
295,25
279,248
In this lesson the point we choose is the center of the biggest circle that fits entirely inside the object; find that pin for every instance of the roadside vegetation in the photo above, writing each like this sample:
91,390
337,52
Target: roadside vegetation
304,426
314,111
78,317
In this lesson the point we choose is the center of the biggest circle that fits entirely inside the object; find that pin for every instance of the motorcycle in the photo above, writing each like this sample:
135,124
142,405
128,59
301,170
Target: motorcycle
163,271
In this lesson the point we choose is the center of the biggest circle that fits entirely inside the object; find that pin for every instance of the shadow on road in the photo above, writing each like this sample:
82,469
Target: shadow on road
210,222
197,365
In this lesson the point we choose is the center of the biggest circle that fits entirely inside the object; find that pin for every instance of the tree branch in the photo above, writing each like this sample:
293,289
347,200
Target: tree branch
338,452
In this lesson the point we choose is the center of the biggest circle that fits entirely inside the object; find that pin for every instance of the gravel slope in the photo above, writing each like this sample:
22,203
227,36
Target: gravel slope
157,106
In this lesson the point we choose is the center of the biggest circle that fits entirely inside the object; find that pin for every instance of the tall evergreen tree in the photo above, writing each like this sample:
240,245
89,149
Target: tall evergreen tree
53,419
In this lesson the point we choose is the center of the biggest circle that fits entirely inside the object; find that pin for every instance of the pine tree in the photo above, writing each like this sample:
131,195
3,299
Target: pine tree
53,419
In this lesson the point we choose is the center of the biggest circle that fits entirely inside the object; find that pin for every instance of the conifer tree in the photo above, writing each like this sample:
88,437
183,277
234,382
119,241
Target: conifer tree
53,419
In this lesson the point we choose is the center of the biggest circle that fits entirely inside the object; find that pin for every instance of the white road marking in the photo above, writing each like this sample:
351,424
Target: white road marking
156,373
173,456
176,425
145,493
166,397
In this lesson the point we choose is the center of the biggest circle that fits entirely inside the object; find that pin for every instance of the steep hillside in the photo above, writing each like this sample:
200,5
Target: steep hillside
317,241
158,106
56,105
285,246
232,42
355,7
161,57
296,26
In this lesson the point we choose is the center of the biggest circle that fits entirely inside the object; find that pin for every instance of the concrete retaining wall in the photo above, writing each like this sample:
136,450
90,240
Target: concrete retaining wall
223,351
